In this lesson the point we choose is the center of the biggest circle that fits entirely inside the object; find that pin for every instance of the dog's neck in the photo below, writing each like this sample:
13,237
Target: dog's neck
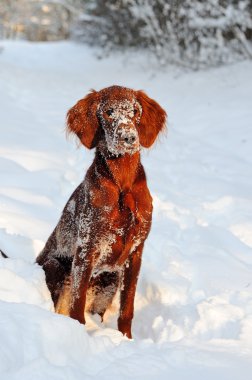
123,169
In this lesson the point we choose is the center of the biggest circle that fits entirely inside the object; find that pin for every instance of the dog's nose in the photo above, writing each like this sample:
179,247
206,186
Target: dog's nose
130,139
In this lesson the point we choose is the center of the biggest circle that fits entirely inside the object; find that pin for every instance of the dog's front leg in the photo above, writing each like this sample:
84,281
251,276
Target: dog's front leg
128,289
81,273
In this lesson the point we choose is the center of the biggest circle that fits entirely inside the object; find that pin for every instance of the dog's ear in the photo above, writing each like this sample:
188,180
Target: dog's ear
82,120
152,121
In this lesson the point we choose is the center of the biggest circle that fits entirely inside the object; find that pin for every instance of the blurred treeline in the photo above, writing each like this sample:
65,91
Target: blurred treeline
192,33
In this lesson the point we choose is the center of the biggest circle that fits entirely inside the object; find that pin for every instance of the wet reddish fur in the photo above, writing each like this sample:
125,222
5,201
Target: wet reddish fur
124,189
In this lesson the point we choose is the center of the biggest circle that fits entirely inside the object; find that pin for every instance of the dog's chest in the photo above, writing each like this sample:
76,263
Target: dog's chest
117,231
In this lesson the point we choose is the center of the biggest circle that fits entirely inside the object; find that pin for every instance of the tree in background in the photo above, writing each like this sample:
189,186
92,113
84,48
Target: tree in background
38,20
190,32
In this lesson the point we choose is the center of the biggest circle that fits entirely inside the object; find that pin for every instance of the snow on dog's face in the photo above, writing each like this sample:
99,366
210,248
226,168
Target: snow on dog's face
119,120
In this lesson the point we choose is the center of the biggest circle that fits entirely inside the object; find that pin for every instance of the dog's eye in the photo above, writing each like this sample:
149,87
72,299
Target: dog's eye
110,112
135,111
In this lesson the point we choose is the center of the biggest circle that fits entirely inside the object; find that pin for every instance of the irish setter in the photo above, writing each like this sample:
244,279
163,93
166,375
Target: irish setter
96,248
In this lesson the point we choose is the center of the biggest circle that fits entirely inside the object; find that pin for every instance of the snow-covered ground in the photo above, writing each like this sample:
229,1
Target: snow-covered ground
193,310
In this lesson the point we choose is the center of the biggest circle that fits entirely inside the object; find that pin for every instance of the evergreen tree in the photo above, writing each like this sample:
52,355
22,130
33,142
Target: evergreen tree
190,32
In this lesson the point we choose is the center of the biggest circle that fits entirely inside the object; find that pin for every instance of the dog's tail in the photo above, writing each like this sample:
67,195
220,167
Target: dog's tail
3,254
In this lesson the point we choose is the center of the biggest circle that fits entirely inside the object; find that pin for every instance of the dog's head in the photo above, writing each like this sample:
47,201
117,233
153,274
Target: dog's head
118,119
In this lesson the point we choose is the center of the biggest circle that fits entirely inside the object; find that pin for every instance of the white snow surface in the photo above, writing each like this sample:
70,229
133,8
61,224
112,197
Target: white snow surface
193,308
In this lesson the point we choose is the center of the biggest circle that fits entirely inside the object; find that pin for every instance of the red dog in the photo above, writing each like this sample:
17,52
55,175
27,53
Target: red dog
97,245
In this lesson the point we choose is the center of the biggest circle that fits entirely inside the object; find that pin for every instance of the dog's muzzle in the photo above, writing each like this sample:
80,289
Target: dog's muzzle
122,139
127,136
